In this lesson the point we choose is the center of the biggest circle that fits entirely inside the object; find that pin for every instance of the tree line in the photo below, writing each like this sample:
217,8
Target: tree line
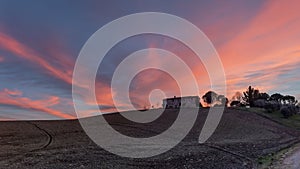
286,104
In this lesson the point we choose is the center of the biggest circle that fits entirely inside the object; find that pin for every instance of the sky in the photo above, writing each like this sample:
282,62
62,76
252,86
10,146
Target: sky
257,41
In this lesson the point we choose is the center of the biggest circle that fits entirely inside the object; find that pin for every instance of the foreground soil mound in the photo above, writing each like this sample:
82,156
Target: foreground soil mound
240,139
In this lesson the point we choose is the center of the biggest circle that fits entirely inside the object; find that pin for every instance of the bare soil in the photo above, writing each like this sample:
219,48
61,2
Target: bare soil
240,139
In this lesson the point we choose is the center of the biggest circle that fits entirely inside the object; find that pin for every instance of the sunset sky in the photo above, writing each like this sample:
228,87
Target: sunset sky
257,41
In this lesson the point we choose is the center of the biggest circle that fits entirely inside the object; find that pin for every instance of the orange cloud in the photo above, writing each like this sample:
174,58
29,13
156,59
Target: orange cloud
14,98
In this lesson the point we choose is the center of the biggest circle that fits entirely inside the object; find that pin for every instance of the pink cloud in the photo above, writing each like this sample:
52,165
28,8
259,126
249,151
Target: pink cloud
15,98
13,92
63,71
270,36
14,46
268,43
1,59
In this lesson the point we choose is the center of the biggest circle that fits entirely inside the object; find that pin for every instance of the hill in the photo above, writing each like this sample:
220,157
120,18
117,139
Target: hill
241,138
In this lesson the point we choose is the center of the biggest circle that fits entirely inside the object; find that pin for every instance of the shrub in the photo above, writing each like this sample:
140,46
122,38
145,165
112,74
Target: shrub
272,106
259,103
288,110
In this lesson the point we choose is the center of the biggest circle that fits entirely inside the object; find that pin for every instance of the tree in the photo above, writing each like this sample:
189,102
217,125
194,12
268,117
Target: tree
263,96
210,98
200,104
251,95
223,100
276,97
236,99
289,108
289,100
262,100
238,96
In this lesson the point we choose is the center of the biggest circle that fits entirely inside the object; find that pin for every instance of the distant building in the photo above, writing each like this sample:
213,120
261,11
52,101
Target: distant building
186,102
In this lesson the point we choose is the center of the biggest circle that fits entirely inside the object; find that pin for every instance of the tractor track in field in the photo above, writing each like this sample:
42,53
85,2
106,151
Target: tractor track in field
46,144
46,133
250,161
